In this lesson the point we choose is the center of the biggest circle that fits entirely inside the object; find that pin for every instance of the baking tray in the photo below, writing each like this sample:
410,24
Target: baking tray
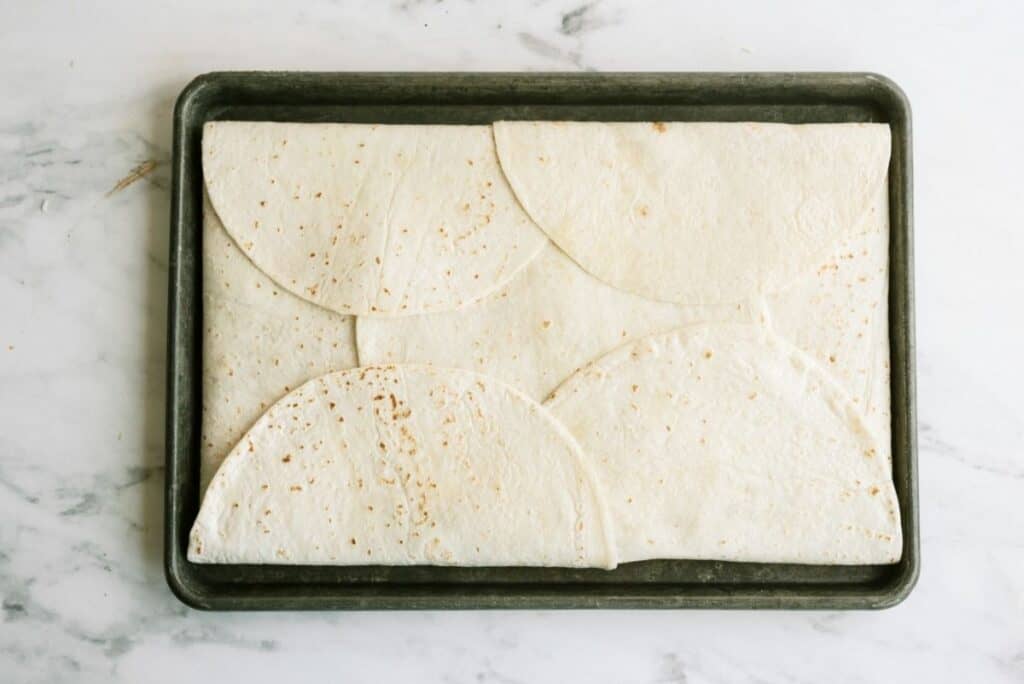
459,98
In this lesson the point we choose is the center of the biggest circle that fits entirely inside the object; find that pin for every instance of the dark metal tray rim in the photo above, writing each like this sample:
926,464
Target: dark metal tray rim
712,93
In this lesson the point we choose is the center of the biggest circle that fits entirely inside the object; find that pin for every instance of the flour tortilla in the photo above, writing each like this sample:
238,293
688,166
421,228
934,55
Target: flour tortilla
405,465
695,213
368,219
838,314
551,320
721,442
259,343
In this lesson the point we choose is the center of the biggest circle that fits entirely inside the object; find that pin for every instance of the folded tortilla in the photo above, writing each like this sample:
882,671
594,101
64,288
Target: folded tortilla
551,320
721,442
259,343
725,282
405,465
367,219
695,213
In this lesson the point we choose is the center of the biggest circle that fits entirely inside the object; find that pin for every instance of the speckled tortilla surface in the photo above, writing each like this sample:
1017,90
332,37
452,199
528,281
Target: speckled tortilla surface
259,343
694,213
366,219
405,465
837,312
550,321
720,442
709,340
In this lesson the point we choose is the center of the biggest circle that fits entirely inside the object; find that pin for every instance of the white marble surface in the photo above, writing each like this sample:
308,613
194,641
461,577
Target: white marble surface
86,95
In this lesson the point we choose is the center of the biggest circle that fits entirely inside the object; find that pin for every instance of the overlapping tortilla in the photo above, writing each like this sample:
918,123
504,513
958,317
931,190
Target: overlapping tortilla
259,343
721,442
838,314
405,465
368,219
551,320
757,432
695,213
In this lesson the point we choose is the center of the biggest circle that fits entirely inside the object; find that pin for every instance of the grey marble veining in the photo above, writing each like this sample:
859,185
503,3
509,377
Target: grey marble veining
84,152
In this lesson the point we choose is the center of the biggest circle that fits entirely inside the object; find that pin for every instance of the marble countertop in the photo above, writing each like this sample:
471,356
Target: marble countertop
85,141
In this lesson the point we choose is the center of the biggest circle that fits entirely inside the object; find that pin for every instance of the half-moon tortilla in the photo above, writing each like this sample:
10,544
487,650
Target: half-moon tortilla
695,213
368,219
259,343
405,465
720,442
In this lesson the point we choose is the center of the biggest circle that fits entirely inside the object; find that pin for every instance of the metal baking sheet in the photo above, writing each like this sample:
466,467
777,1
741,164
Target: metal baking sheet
459,98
